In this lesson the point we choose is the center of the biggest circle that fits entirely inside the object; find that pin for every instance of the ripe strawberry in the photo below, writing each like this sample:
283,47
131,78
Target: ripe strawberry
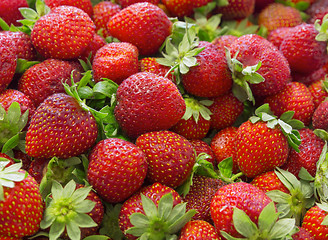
313,54
93,47
7,63
224,41
149,64
26,159
319,118
49,76
211,77
200,196
9,11
198,230
37,168
85,5
269,181
147,102
115,61
135,23
11,161
260,4
277,15
61,128
312,222
202,147
9,238
102,12
183,8
318,91
117,169
302,234
317,11
294,97
69,27
170,157
125,3
21,204
237,9
225,111
242,195
277,35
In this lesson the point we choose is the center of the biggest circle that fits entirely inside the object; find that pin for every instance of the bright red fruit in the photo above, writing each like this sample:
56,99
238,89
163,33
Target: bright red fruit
125,3
181,8
269,181
198,230
9,11
312,223
85,5
237,9
7,63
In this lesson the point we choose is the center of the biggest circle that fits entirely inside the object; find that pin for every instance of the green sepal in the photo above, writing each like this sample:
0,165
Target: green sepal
23,65
323,206
4,26
321,133
243,224
195,108
96,237
322,29
221,3
109,225
239,28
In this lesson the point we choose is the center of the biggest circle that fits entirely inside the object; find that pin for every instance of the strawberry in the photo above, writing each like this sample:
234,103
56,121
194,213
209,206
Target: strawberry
202,147
93,47
49,76
125,3
241,195
224,41
170,157
7,63
9,238
261,4
26,159
211,77
313,54
135,23
302,234
69,27
277,35
318,91
21,203
85,5
198,230
183,8
117,169
147,102
294,97
237,9
269,181
277,15
200,196
37,168
317,11
319,118
225,111
149,64
313,222
9,11
60,127
4,157
116,61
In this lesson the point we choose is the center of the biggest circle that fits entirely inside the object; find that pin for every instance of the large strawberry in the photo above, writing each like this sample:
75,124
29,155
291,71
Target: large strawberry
170,157
60,127
21,202
147,102
85,5
117,169
198,229
143,24
183,8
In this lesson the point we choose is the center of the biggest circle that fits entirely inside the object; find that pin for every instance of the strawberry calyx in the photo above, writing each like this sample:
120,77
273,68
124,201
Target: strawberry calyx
269,226
162,222
196,108
109,225
322,29
243,76
66,209
323,206
239,28
300,197
287,124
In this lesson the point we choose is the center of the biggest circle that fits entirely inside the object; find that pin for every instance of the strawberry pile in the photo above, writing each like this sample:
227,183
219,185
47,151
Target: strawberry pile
164,119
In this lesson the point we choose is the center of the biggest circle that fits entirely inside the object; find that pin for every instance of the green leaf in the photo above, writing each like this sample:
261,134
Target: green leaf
325,221
305,175
80,194
69,189
85,206
29,13
84,220
225,167
278,196
4,25
56,229
267,217
180,222
282,228
229,237
73,231
11,143
41,7
243,224
139,220
56,190
287,116
286,127
288,179
165,206
23,65
96,237
149,207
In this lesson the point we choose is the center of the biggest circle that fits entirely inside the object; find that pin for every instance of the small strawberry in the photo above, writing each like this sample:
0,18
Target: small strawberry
135,23
237,9
115,61
183,8
85,5
319,91
202,147
269,181
117,169
8,63
149,64
198,230
148,102
9,11
319,118
315,221
93,47
125,3
277,35
170,157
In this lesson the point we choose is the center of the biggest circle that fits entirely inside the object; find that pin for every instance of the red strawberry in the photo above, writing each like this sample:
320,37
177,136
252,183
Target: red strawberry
69,27
224,41
319,118
242,195
26,159
115,61
37,168
11,161
313,54
269,181
21,204
147,102
117,169
61,128
7,63
302,234
277,15
294,97
85,5
49,76
260,4
137,24
9,11
170,157
93,47
178,8
312,77
211,77
198,230
312,222
202,147
149,64
9,238
237,9
277,35
317,11
125,3
318,91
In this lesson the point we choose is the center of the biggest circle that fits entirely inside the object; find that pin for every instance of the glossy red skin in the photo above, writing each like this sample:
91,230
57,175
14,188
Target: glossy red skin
117,169
148,102
102,13
61,128
302,234
310,150
211,77
277,35
259,149
237,9
22,209
277,15
198,230
275,69
224,41
317,11
312,223
7,63
143,24
69,27
312,77
115,61
202,147
181,8
85,5
149,64
49,76
318,92
170,157
303,52
319,118
200,196
269,181
294,97
93,47
125,3
9,238
133,204
9,11
242,195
